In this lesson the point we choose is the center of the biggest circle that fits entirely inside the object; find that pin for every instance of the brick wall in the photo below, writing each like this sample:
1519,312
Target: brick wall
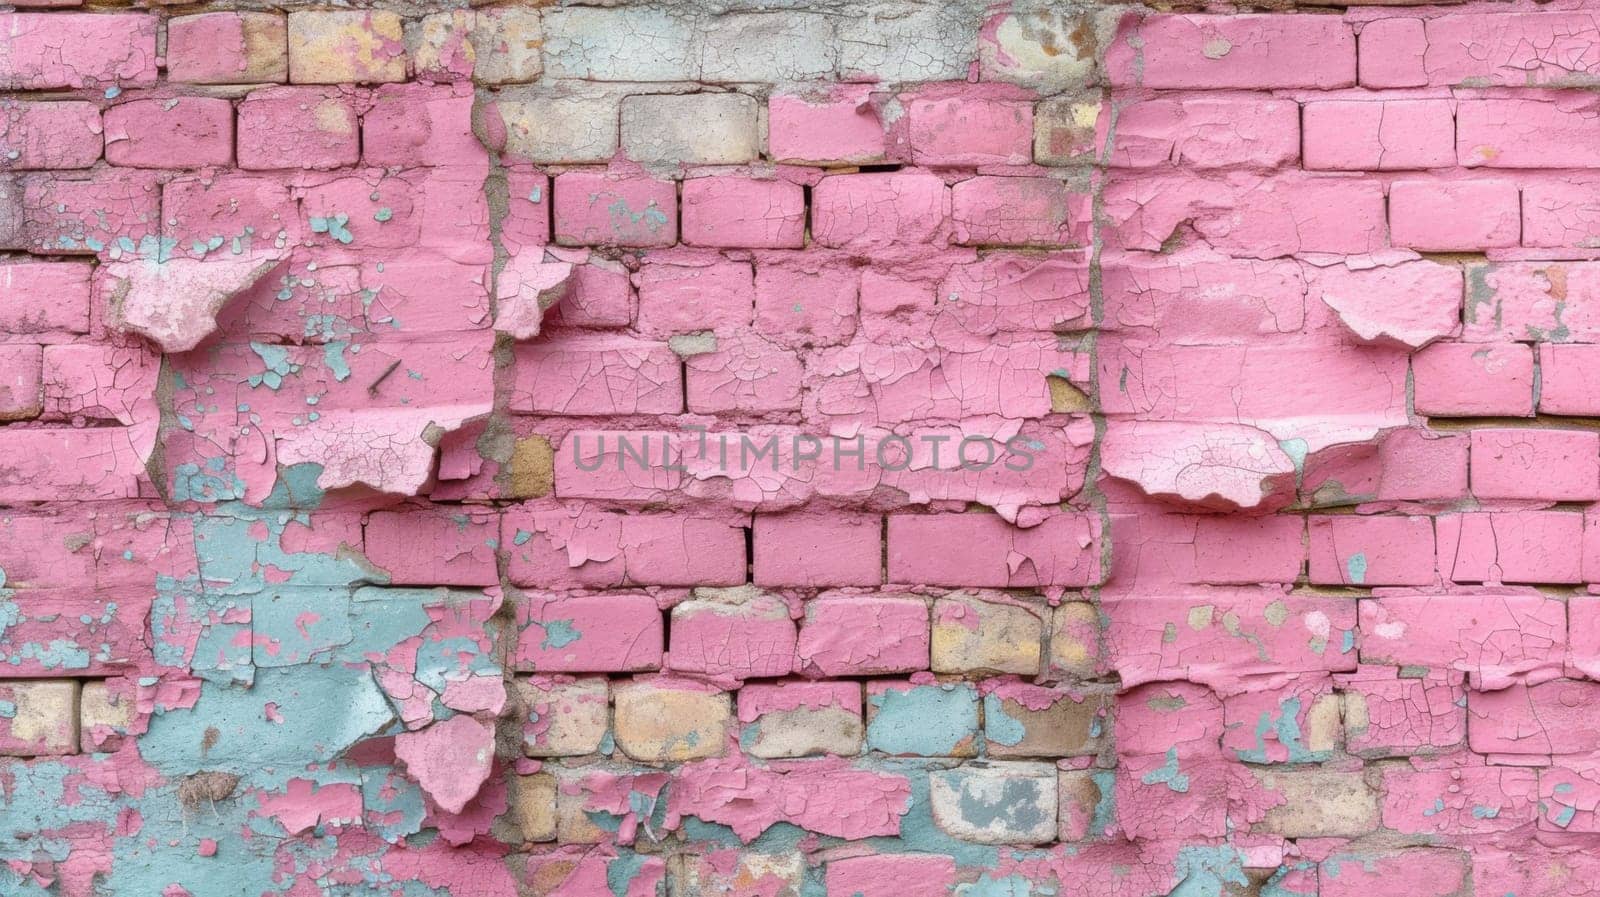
880,449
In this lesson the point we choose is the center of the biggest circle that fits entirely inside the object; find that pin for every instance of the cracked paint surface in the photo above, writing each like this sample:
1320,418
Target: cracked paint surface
826,450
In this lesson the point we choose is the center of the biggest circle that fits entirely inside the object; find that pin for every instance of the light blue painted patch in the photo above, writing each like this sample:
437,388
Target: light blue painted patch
1436,809
1297,449
276,361
987,886
333,357
559,634
335,226
8,710
998,725
322,712
1482,812
1355,568
1564,818
521,538
1203,871
1168,774
924,720
622,870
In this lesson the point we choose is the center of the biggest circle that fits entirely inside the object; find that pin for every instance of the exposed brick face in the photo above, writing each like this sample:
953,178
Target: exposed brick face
958,449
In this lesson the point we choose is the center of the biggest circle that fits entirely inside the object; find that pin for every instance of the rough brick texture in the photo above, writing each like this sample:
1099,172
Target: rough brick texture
804,449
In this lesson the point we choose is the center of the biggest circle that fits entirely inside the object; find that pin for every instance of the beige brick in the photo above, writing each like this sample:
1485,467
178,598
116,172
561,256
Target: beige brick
1047,49
669,722
1030,721
509,43
1078,795
1075,640
254,43
1319,803
573,825
1064,130
533,806
440,45
753,871
986,632
560,127
533,467
699,128
562,717
996,803
39,718
343,46
105,713
492,46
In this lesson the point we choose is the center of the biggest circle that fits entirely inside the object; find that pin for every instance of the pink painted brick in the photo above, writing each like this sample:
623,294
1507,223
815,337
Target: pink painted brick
863,635
1583,611
818,550
51,50
1409,872
1562,214
1495,637
1512,49
837,124
890,875
1570,794
1357,135
593,374
24,287
1178,716
434,547
99,382
879,209
1252,217
298,127
1194,634
259,212
1454,216
1550,718
806,304
1473,380
1511,546
64,134
745,639
91,215
21,390
1392,53
418,125
1452,797
1208,132
714,295
1017,292
606,210
1421,465
1018,212
1388,715
746,374
1533,301
619,465
984,551
1233,51
1569,379
743,213
1372,551
186,132
527,221
604,633
1549,465
969,131
1516,133
1238,550
601,297
564,548
228,48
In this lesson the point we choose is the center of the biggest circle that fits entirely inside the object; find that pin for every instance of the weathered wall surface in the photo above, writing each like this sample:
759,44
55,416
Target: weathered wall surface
826,449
